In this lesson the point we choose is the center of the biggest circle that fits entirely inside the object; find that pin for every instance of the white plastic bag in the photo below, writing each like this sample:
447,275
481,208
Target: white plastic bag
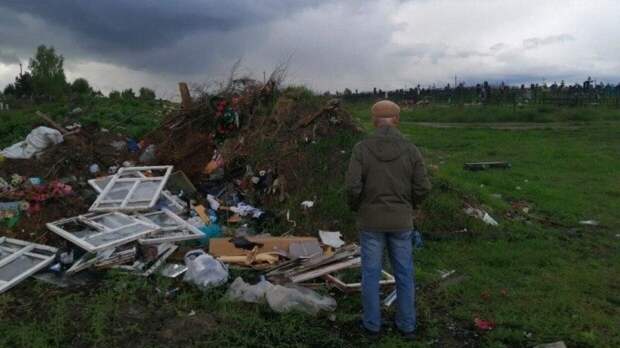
203,270
242,291
38,140
291,297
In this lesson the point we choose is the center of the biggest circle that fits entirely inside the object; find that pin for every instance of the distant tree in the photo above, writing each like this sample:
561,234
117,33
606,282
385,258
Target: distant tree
114,95
347,92
9,90
81,86
24,85
48,75
147,94
128,94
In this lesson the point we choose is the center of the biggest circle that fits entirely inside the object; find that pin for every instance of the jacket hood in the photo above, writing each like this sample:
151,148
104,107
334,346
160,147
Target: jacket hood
386,144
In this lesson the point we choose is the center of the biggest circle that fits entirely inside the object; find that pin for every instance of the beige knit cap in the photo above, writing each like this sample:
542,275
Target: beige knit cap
385,109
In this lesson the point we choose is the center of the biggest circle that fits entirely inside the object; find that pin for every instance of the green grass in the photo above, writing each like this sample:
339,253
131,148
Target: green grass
492,113
131,117
538,282
561,281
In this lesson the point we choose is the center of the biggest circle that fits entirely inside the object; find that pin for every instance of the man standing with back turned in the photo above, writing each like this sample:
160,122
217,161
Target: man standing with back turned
385,181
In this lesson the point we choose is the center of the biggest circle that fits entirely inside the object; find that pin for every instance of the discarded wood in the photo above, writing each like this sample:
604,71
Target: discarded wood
348,287
315,262
186,99
302,277
476,166
269,258
332,105
53,123
160,261
223,247
202,212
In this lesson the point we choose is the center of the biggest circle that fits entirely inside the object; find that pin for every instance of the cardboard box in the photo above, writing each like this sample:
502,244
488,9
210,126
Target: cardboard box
222,246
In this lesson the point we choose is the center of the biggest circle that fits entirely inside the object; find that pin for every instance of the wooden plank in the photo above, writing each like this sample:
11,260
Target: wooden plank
302,277
186,98
223,247
346,287
315,262
52,123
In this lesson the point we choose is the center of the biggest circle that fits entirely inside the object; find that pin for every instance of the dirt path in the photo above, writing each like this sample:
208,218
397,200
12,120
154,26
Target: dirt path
500,125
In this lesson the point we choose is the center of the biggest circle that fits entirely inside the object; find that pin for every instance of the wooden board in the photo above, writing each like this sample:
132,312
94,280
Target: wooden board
222,246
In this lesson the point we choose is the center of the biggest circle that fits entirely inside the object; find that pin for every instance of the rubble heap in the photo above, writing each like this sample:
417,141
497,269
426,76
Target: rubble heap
221,171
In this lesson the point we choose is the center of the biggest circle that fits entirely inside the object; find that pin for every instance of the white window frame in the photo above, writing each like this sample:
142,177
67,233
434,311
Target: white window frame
387,279
180,232
87,219
99,184
27,249
133,176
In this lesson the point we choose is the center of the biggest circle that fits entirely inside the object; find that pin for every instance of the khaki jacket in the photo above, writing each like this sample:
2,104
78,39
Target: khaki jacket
385,181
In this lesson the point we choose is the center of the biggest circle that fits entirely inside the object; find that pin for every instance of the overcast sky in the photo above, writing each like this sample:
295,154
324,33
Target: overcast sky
361,44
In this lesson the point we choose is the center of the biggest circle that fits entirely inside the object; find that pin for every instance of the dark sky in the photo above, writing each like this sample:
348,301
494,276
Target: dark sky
331,44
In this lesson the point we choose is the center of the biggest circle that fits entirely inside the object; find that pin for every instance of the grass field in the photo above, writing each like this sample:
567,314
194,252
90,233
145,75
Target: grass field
504,113
541,278
131,117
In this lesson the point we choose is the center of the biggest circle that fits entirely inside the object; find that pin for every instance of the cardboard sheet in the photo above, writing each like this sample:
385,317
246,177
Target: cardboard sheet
222,246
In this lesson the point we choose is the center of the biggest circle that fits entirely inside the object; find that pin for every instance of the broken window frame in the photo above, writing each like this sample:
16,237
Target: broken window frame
135,177
326,269
28,249
144,268
178,206
88,219
348,287
180,232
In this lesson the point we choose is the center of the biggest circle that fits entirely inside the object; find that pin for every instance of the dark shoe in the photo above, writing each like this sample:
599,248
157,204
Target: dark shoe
409,336
367,332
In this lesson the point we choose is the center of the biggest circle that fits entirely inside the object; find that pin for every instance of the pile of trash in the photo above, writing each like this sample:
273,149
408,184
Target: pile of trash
136,224
253,141
211,207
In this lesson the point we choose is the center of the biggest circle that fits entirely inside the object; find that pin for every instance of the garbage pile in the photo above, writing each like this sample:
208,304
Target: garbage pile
210,209
136,224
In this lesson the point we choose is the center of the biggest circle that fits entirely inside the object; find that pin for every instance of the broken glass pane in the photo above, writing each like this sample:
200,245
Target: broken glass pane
131,189
17,267
113,221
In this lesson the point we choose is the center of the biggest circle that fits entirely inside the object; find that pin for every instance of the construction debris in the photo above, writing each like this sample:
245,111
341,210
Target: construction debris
225,247
19,260
143,216
476,166
95,232
133,189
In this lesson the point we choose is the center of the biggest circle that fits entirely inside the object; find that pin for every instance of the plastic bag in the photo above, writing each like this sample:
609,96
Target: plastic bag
242,291
38,140
291,297
204,271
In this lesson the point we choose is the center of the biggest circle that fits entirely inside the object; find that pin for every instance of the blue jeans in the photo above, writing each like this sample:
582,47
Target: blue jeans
400,249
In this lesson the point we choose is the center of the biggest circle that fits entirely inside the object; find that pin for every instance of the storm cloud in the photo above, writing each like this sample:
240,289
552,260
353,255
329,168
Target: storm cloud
332,44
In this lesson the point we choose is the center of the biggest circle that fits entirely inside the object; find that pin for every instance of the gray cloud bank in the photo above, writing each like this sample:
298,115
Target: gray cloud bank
334,44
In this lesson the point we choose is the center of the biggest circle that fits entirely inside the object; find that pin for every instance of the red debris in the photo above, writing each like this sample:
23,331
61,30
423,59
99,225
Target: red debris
485,325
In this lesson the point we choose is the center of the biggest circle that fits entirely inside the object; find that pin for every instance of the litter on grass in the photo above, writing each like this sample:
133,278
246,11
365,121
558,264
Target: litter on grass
36,142
480,214
144,219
